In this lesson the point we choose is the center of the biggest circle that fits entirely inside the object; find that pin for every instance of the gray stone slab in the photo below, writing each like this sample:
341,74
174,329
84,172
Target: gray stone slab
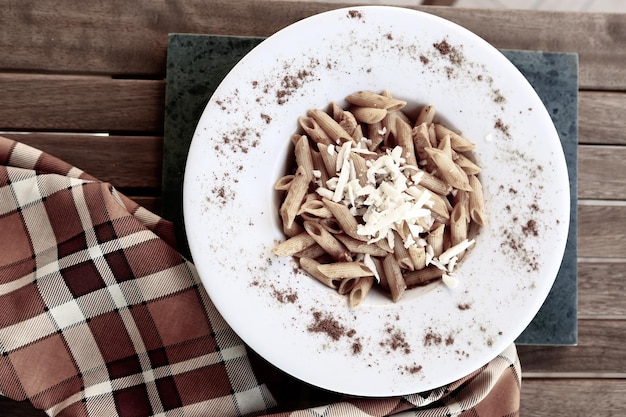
196,64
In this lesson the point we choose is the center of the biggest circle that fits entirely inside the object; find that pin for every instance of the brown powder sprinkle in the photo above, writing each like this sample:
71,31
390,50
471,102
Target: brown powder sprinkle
448,50
266,118
502,127
285,296
531,228
329,325
396,340
443,47
413,369
432,338
355,14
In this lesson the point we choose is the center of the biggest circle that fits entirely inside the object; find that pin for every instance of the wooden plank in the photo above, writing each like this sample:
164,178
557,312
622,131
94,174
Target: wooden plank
127,162
119,37
80,103
602,231
601,289
600,350
548,397
601,173
599,122
71,103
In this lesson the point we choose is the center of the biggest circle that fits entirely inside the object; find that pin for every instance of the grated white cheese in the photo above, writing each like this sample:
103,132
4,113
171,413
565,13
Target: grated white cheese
450,281
389,202
367,260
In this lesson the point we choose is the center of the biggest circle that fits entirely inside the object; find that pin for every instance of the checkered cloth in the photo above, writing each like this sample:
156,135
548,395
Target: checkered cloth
101,316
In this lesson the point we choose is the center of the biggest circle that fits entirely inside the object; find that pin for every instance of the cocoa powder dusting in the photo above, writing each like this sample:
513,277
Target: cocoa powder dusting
328,325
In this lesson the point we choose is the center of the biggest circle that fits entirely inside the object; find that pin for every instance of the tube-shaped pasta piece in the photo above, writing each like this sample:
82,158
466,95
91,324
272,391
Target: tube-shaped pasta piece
389,126
401,253
316,208
421,141
395,280
313,130
404,139
326,240
426,115
331,225
435,238
369,114
467,164
346,285
284,182
422,276
295,195
376,134
293,245
432,135
458,224
476,201
344,218
360,168
318,165
435,184
329,158
357,135
312,252
293,230
444,145
333,130
459,143
311,266
418,256
370,99
359,246
450,171
302,151
462,197
351,269
344,117
360,291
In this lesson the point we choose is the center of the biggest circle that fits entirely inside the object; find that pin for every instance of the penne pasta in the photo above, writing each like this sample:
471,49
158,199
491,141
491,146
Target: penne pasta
395,280
293,245
380,101
310,265
313,130
458,142
369,114
404,139
360,291
345,270
327,241
476,201
426,115
448,170
393,209
332,129
295,194
422,276
359,246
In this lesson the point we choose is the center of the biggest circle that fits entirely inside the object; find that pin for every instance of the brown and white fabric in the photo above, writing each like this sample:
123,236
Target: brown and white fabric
101,316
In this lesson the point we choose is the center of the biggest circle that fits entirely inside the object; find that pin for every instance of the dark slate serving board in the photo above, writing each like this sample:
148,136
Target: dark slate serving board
196,64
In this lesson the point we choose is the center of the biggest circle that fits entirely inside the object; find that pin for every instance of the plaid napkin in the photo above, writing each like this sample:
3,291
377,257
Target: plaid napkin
101,316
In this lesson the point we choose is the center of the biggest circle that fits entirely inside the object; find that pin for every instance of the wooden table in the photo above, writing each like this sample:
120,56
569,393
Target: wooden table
80,68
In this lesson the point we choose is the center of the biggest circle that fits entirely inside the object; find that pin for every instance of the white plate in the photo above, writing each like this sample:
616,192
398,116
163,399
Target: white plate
241,146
